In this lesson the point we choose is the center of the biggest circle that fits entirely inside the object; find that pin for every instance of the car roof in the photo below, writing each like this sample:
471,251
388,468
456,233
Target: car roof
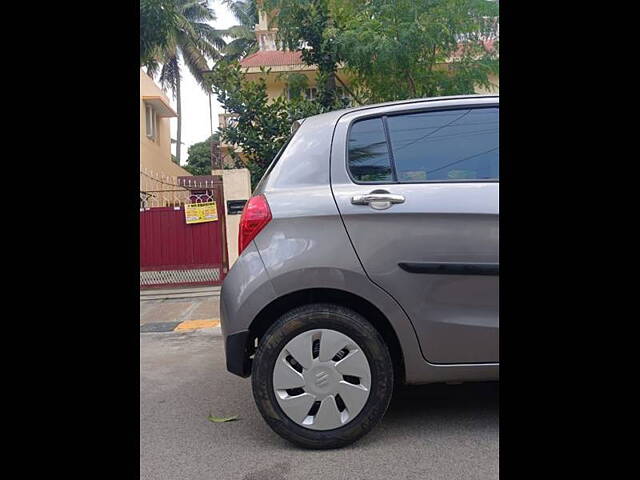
339,113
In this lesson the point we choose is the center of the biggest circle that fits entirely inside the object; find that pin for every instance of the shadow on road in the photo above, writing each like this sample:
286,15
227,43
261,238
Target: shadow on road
440,397
436,413
428,412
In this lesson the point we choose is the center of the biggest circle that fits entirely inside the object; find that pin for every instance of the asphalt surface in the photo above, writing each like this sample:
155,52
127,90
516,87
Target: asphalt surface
429,432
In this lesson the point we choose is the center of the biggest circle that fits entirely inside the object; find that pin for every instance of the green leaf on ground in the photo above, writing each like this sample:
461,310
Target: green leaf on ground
222,419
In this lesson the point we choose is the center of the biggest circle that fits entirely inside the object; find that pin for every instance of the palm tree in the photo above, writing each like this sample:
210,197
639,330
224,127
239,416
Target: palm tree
192,41
243,35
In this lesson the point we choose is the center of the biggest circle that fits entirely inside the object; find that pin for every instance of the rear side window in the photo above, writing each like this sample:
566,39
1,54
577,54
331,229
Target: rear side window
451,145
368,152
448,145
294,129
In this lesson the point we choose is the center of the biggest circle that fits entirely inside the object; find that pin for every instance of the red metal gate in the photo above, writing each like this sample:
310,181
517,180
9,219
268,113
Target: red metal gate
172,252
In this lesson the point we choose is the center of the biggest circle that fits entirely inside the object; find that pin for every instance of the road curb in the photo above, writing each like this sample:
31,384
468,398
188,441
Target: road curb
184,326
165,294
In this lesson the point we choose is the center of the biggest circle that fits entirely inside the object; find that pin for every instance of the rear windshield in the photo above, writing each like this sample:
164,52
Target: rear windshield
294,129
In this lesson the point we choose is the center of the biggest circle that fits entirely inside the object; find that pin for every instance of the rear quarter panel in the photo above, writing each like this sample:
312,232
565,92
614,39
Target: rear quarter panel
305,245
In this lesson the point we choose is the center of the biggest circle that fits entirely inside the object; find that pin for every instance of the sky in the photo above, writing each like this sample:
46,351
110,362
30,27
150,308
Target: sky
196,124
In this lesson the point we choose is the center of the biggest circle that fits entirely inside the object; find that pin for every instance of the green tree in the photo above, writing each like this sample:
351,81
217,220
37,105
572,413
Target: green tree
296,83
243,37
157,19
191,41
420,48
260,126
309,27
199,156
394,49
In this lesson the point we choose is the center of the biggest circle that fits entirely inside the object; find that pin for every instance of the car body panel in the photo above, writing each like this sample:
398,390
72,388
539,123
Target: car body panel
306,246
245,291
440,223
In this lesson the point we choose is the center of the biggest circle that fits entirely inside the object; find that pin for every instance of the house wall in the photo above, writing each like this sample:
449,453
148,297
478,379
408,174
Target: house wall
276,80
155,154
237,186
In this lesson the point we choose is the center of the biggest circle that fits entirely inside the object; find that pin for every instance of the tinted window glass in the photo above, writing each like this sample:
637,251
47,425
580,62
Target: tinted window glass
368,152
449,145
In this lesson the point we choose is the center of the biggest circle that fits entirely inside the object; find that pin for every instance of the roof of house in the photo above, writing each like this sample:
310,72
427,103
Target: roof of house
489,46
272,58
278,58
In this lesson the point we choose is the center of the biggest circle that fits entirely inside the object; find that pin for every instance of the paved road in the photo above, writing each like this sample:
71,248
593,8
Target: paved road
168,314
429,432
179,309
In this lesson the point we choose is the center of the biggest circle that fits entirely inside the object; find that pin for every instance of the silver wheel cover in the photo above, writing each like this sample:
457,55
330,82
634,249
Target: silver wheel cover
321,379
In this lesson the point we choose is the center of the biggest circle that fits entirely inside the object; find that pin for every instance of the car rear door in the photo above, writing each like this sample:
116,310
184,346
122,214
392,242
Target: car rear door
417,187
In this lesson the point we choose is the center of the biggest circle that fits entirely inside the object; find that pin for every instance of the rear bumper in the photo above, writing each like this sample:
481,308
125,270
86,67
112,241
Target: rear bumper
237,350
245,292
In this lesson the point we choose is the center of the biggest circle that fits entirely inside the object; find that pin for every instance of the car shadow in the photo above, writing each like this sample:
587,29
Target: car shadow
443,397
428,412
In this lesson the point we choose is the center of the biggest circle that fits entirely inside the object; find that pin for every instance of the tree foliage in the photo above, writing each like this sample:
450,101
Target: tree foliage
309,27
199,156
243,38
157,19
393,49
420,48
190,41
296,83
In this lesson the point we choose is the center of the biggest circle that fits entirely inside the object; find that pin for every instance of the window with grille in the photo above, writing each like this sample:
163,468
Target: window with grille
151,121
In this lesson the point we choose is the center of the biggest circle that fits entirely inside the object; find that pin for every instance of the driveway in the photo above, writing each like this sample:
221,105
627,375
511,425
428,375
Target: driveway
429,432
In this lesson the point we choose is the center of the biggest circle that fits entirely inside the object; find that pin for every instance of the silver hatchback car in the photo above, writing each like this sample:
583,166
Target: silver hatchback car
369,258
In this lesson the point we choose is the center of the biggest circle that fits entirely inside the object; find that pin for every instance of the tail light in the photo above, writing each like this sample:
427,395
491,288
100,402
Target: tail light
255,216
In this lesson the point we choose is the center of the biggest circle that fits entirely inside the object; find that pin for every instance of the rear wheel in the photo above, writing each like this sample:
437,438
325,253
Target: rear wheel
322,376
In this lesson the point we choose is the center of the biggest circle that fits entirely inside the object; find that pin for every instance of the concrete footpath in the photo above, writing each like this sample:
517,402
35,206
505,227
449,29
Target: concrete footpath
178,310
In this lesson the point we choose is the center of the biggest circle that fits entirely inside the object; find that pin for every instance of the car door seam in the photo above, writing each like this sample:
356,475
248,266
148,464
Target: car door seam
356,252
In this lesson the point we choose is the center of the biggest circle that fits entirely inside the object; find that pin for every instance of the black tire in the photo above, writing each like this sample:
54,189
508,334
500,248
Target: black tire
352,324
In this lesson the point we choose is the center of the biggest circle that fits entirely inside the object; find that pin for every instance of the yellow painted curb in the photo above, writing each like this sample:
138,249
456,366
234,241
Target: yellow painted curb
196,324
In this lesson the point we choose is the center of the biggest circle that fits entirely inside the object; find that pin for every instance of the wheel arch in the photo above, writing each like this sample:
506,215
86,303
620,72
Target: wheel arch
271,312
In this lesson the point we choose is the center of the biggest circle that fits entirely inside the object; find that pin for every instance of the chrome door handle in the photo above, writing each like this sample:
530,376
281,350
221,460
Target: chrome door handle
377,201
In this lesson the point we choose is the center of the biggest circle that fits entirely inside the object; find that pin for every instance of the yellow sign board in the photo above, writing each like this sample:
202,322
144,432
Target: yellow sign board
200,212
